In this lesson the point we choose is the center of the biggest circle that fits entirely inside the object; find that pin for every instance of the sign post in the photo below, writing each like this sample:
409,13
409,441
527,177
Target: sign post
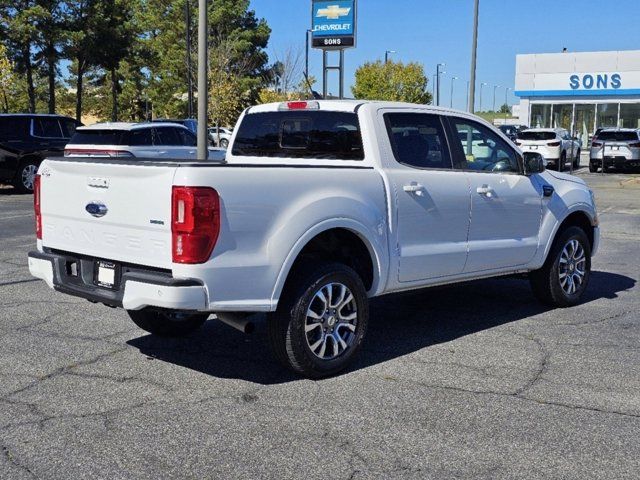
333,28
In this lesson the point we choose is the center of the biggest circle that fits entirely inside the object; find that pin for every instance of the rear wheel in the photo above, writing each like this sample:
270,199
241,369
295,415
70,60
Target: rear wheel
593,168
26,175
576,161
321,320
562,161
565,275
167,323
224,143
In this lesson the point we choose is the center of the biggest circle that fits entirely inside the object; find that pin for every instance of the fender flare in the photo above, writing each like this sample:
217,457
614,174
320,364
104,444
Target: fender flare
376,251
577,208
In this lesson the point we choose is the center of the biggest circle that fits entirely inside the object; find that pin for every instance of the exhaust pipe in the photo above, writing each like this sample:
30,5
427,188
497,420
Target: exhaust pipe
238,321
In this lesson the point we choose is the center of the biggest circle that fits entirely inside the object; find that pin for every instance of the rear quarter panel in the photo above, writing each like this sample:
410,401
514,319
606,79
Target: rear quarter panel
268,214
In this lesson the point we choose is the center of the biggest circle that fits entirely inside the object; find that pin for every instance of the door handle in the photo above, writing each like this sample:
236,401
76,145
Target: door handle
415,188
485,190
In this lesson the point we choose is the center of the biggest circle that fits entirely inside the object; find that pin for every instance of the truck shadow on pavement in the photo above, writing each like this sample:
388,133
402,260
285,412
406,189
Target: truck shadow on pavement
399,325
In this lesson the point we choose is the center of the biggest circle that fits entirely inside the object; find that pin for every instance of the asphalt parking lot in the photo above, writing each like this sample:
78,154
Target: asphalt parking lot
472,381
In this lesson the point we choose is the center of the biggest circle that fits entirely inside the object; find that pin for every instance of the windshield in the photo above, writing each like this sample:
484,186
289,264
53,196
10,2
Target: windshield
618,136
300,134
537,136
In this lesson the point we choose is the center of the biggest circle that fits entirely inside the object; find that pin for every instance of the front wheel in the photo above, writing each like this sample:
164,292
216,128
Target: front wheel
321,320
224,143
593,168
576,161
565,275
167,323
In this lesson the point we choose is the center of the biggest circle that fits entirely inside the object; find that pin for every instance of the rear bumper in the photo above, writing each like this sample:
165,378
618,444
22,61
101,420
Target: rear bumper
616,162
136,287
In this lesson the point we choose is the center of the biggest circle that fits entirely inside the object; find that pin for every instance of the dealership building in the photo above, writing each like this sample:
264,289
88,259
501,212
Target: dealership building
579,91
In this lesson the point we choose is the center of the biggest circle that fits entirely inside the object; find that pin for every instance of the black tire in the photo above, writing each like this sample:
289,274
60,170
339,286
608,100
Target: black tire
593,168
224,143
25,175
292,344
546,283
167,323
576,162
562,161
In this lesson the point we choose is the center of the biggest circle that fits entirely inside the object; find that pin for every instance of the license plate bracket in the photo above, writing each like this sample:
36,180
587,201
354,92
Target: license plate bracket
106,274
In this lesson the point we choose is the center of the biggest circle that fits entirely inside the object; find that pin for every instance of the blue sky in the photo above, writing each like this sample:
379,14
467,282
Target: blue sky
439,31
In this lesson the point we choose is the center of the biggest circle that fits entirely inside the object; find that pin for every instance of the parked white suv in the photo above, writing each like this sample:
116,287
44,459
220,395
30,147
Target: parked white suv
220,136
319,206
619,146
140,140
554,144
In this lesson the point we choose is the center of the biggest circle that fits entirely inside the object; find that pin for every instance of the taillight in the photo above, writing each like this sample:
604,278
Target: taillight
596,144
553,144
518,142
36,206
195,223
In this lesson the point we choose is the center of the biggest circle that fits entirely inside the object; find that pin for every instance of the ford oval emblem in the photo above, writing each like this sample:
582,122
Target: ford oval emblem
97,209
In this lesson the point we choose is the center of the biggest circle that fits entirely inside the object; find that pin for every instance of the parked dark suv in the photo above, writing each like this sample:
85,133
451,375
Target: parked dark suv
26,140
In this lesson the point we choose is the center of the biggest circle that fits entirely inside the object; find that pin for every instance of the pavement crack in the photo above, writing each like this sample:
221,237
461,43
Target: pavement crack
14,461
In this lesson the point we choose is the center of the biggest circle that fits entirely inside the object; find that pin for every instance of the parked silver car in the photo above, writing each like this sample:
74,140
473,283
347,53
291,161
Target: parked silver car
620,147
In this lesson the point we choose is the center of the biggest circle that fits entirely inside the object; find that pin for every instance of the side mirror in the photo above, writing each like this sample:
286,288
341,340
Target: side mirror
533,163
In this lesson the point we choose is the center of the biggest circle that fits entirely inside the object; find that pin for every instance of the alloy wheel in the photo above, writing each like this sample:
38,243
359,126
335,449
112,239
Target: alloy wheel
331,321
572,267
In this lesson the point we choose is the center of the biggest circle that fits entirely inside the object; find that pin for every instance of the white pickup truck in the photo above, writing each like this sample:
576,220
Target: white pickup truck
319,206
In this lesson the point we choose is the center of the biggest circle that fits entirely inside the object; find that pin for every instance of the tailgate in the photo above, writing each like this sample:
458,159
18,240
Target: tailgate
108,210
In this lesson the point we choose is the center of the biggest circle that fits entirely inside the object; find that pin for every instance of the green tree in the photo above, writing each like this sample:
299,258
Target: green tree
50,28
391,81
18,25
79,43
7,78
115,34
505,108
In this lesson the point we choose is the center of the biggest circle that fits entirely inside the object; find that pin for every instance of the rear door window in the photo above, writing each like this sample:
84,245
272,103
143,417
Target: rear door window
140,138
47,128
68,128
166,136
186,138
418,140
319,135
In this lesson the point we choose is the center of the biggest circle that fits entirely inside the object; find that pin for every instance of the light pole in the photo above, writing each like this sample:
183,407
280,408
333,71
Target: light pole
467,100
306,56
203,38
187,14
438,73
481,85
495,87
386,55
451,99
474,49
506,102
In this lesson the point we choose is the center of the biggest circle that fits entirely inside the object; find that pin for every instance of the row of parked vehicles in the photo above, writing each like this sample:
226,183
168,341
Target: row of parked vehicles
27,139
619,147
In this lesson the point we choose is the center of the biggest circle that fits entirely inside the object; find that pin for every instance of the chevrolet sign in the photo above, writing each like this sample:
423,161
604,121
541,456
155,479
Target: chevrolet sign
333,24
